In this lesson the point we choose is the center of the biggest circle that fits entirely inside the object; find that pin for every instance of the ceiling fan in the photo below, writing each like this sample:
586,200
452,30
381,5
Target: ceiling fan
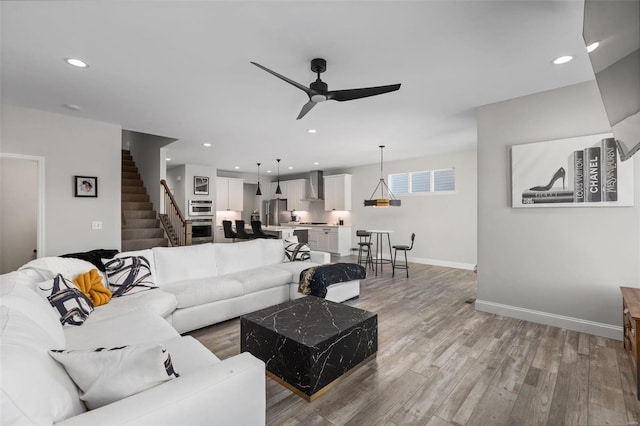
318,90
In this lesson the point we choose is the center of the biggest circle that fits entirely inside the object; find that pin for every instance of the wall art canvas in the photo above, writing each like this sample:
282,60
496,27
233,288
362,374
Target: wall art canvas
85,186
584,171
201,185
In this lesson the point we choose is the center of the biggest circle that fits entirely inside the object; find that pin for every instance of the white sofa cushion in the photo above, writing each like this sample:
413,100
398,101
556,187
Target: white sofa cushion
46,268
189,355
272,251
240,256
262,278
35,388
34,306
185,263
129,329
204,290
106,375
155,301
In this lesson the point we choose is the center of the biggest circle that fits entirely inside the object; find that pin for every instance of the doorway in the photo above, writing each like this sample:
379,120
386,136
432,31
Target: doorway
21,210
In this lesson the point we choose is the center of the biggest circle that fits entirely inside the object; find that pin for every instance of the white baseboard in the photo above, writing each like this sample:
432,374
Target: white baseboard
445,263
570,323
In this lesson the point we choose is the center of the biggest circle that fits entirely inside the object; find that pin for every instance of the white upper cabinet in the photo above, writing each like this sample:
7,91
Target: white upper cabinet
337,192
229,194
296,192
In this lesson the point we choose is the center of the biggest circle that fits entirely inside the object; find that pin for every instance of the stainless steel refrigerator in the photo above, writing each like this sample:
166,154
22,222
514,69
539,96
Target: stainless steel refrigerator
274,212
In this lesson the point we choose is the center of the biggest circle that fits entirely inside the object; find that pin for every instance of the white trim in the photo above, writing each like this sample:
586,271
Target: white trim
41,201
570,323
437,262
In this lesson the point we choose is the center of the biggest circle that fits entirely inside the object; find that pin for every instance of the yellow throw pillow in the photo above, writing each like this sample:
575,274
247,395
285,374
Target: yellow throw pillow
90,283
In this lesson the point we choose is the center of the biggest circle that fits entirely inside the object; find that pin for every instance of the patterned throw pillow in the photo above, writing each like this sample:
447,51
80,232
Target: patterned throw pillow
297,252
108,375
128,275
72,306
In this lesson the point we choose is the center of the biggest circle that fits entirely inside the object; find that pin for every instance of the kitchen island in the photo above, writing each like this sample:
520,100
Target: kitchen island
283,232
335,239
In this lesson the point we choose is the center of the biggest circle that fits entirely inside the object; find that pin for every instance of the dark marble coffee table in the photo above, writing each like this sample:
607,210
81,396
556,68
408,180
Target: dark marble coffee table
309,342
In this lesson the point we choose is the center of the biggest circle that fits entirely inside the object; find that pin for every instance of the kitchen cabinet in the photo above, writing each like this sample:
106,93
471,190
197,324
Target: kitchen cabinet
218,235
229,194
294,191
332,239
337,192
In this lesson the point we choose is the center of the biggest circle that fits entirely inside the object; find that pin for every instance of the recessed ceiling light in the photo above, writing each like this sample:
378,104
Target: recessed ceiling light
73,107
206,144
593,46
316,163
311,131
290,167
236,167
168,159
76,63
562,60
268,171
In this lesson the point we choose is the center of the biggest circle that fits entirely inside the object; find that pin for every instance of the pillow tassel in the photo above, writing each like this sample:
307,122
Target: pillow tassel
90,284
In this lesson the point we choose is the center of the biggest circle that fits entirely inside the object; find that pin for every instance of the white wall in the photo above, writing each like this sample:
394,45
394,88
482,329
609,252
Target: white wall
71,146
445,224
559,266
150,160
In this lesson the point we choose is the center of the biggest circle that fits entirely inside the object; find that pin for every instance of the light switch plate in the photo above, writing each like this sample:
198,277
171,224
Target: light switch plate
96,225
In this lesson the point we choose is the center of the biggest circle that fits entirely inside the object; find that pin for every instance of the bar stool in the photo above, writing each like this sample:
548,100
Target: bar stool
364,248
228,230
405,249
242,233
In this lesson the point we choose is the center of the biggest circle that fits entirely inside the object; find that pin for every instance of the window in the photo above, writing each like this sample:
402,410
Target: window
443,180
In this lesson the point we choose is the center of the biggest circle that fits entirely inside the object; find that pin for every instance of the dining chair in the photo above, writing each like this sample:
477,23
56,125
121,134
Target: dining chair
405,249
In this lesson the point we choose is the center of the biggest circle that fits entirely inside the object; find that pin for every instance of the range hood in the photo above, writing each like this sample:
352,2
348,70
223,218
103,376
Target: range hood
315,186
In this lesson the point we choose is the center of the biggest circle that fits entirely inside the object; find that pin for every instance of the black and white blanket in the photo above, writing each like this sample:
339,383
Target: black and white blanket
315,280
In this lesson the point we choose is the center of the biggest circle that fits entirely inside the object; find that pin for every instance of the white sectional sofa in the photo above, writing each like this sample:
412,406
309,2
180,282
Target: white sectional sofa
198,286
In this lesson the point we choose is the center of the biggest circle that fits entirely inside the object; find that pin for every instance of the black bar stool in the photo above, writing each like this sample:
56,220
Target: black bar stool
405,249
256,227
364,248
228,230
242,233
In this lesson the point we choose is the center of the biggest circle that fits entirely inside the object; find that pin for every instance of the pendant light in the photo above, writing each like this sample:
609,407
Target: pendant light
278,190
258,192
382,201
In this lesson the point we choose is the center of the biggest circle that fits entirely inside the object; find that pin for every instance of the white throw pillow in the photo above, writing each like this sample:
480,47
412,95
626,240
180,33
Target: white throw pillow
297,252
67,300
108,375
129,275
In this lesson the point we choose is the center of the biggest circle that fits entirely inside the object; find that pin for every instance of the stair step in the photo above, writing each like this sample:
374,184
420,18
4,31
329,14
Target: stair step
135,197
130,245
142,223
130,175
131,182
132,169
136,205
127,157
141,234
128,163
139,214
133,190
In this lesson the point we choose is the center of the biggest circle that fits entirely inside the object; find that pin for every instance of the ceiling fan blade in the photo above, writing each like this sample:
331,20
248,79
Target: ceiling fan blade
288,80
350,94
305,109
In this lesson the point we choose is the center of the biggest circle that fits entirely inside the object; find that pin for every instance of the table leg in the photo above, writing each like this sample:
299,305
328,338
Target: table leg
390,255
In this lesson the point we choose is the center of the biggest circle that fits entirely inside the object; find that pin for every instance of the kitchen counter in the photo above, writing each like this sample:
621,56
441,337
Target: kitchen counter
297,224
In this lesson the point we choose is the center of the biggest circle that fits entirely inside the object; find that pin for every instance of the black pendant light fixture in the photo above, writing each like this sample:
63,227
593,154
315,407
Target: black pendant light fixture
258,192
391,200
278,190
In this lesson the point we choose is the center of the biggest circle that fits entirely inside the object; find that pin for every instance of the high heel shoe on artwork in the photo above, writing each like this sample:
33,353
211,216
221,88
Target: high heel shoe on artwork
559,174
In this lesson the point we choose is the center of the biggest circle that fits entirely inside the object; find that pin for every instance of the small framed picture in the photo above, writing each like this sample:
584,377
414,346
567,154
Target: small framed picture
201,185
85,186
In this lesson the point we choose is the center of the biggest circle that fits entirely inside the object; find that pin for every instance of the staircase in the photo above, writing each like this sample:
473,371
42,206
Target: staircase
140,225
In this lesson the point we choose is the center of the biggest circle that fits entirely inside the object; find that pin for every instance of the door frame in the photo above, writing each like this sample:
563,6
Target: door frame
40,240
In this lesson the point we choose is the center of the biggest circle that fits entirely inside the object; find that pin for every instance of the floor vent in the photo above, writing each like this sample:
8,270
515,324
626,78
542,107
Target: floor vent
470,301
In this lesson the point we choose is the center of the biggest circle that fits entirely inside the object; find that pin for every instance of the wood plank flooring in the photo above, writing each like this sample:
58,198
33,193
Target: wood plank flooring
442,363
